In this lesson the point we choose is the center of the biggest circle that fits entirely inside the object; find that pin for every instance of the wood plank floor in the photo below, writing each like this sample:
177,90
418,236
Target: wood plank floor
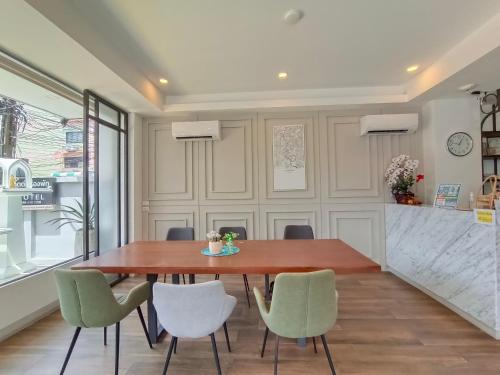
385,327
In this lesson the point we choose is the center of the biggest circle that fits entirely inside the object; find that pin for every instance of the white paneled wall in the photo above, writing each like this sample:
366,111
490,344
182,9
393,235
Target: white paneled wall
230,182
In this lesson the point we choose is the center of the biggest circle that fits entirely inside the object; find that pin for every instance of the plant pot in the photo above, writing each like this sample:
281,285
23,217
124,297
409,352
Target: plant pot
404,198
215,247
78,248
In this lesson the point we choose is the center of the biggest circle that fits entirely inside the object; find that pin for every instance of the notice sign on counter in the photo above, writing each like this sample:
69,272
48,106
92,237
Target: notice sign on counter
483,216
447,196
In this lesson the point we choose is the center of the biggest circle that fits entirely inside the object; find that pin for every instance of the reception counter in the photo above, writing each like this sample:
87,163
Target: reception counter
446,255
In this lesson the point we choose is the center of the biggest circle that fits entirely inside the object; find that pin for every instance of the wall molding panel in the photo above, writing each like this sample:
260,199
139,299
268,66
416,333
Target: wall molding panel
230,182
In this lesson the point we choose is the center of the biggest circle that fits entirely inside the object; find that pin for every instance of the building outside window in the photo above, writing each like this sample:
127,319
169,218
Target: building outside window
41,161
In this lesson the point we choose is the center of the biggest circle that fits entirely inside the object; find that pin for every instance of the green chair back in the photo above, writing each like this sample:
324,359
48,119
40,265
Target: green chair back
86,298
303,304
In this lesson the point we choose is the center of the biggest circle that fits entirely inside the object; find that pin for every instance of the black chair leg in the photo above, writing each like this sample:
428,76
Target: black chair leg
141,317
327,351
245,280
227,337
175,345
70,350
192,278
217,276
314,343
173,342
264,343
183,279
105,336
216,355
276,349
117,348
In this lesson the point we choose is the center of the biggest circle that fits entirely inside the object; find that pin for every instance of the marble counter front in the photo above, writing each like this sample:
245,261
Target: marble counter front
445,254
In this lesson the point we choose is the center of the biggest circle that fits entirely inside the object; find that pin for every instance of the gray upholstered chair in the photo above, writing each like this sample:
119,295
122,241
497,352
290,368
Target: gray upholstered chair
180,234
242,235
193,311
298,232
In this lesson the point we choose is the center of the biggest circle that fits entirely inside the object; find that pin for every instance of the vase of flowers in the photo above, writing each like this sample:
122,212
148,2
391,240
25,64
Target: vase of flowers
401,176
229,237
214,242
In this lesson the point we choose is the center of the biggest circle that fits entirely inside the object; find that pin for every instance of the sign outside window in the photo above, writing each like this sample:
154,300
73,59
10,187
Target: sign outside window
40,200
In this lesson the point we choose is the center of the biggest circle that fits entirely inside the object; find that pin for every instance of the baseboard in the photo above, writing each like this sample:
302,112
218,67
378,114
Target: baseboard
29,320
490,331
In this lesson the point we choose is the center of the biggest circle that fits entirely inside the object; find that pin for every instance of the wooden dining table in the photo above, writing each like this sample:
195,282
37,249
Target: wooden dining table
261,257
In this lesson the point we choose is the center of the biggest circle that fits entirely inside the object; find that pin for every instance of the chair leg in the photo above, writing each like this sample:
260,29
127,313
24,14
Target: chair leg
216,355
327,351
70,350
314,343
217,276
276,349
245,280
105,336
173,342
264,343
227,337
141,317
117,348
183,279
175,345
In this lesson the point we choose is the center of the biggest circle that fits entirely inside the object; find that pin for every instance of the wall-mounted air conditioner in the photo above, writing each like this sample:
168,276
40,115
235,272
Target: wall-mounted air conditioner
389,124
196,130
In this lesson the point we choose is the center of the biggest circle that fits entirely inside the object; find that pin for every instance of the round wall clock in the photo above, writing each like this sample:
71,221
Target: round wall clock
459,144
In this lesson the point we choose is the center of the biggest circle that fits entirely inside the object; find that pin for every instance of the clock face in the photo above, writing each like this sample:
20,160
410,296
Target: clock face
460,144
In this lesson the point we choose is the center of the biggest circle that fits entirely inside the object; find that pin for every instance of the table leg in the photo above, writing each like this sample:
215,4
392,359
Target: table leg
192,279
175,278
154,330
266,287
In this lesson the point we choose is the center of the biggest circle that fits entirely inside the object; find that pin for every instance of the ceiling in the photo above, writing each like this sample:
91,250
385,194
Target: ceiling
226,54
228,46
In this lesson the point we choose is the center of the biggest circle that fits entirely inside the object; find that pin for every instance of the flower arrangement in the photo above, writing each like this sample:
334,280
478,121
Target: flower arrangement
213,236
400,175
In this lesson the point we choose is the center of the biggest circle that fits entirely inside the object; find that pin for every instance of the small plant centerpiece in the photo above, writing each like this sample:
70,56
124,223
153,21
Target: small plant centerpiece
400,177
229,237
214,242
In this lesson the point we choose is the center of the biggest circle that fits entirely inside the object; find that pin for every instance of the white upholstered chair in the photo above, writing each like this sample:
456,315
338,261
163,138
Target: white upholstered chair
193,311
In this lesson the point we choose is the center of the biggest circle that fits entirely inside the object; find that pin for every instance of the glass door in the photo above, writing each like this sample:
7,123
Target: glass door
105,167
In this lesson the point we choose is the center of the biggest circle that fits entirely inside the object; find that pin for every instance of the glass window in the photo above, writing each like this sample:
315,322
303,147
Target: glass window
41,142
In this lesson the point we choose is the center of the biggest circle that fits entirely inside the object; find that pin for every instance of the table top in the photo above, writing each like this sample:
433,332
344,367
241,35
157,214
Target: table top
255,257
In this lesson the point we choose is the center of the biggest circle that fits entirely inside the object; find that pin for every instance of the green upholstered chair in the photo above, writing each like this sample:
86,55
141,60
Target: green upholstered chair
303,305
87,301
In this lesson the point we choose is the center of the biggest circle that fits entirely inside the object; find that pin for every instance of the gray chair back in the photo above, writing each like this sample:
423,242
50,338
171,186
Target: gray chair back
180,234
242,232
298,232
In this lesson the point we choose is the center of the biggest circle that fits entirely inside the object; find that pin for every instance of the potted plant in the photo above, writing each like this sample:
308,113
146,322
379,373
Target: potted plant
74,216
229,237
400,177
214,242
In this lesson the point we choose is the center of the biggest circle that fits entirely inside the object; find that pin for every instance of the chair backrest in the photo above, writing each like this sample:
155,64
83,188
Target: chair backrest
242,232
180,234
298,232
304,304
194,310
86,298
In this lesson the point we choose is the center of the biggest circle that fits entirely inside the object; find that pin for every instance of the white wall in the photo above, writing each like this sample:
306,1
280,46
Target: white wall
26,301
440,119
230,182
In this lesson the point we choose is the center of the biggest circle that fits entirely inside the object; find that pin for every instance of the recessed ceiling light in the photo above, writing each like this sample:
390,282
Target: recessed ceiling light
282,75
163,81
412,68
